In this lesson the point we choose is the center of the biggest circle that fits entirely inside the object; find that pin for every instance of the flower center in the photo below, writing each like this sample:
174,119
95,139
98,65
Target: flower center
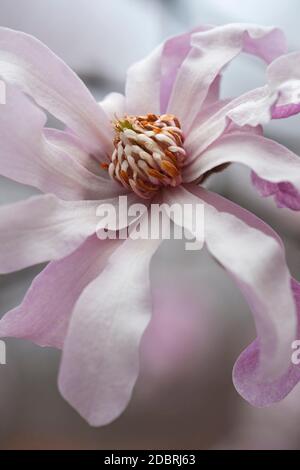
148,153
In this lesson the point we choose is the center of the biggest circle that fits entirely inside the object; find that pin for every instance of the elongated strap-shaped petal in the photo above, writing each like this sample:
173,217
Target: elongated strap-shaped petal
150,81
101,353
114,105
284,75
154,81
250,109
267,158
174,52
211,51
44,314
95,181
27,63
43,228
279,98
69,143
143,85
257,264
285,111
246,372
285,194
32,156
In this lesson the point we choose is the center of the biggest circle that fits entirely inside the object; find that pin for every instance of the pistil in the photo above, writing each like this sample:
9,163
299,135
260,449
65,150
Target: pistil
148,153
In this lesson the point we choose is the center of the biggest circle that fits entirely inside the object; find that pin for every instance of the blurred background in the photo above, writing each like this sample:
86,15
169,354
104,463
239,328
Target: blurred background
184,398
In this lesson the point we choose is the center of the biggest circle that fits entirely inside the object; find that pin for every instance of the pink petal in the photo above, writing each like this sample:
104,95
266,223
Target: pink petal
213,94
101,353
211,51
246,377
86,175
34,157
245,372
267,158
150,81
174,52
114,105
44,314
257,264
279,98
43,228
285,194
250,109
285,111
30,65
143,85
284,75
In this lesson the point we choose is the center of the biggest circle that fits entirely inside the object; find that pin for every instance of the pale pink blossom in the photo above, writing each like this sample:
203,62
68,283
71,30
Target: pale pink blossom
93,299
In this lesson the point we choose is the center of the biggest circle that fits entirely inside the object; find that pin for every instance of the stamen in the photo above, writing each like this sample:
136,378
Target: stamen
148,153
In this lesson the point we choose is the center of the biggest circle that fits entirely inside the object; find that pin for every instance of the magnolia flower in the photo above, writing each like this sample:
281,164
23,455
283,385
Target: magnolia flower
158,142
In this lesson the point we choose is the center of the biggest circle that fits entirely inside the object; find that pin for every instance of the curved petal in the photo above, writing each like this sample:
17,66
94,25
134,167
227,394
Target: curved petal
285,194
32,156
69,143
44,314
267,158
101,352
143,85
257,264
206,113
285,111
29,64
280,98
246,375
250,109
43,228
211,51
174,52
213,94
284,75
150,81
75,163
114,105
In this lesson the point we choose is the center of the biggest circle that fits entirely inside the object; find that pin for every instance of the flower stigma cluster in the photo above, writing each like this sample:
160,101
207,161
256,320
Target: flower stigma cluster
148,153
